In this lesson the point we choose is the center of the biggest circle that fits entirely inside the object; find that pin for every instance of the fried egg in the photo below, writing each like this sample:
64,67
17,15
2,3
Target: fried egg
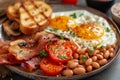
85,29
89,31
62,23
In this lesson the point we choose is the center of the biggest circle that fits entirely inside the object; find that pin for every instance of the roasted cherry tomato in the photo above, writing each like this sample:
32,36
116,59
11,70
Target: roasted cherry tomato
59,52
72,45
49,67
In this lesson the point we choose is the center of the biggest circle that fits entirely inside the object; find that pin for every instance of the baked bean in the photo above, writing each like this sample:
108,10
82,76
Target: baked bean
89,68
101,53
102,62
75,55
67,72
102,49
79,70
96,52
80,66
94,58
81,62
95,65
75,60
108,47
72,63
83,56
88,62
111,49
113,46
111,54
106,54
87,55
82,51
99,56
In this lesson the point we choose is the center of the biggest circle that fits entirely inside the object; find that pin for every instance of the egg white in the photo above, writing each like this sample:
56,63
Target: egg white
84,16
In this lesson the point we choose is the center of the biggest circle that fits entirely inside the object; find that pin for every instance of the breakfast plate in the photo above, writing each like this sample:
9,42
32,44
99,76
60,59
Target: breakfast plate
67,10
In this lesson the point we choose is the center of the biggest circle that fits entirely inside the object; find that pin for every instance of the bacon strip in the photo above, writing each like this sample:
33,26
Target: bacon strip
26,52
13,53
8,59
4,45
4,59
31,64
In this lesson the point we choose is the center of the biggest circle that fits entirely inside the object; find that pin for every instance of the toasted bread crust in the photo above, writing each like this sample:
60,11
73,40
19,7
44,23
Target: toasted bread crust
27,26
32,15
13,11
45,8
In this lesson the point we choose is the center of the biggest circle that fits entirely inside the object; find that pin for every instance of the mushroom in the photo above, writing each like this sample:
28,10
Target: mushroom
10,27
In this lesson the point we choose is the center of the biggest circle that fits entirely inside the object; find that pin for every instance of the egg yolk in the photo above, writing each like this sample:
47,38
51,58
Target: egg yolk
60,22
89,31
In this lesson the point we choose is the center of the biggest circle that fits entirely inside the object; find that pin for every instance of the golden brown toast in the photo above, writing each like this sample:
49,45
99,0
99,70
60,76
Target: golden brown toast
43,8
27,24
13,11
32,15
35,14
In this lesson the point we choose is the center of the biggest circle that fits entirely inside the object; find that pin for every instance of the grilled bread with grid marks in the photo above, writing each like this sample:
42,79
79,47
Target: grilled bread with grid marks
33,11
43,8
33,15
27,24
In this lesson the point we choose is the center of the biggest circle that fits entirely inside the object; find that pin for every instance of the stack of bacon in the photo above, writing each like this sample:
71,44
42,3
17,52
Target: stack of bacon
24,51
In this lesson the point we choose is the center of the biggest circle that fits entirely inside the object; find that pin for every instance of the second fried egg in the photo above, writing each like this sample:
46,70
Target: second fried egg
87,31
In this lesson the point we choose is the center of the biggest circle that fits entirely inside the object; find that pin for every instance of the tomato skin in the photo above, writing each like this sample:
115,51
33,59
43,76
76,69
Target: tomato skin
72,45
49,67
60,54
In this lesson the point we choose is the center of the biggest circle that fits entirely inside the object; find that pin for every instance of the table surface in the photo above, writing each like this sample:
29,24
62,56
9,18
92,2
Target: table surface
111,73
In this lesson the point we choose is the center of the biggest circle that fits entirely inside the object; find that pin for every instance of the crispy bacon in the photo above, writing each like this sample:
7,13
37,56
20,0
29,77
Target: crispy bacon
22,53
4,59
4,45
26,52
43,38
21,49
31,64
8,59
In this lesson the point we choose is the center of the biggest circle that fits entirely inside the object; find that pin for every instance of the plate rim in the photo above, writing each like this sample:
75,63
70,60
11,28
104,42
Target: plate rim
96,12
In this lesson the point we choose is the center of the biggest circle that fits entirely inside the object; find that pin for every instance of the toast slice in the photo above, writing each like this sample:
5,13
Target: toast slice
37,16
43,8
13,11
27,24
32,15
